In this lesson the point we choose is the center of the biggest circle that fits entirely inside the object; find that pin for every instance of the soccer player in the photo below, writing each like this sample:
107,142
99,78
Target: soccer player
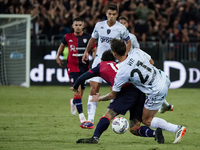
104,31
76,42
130,98
136,68
134,42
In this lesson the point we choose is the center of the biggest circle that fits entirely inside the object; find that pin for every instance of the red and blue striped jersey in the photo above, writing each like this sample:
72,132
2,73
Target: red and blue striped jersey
105,69
76,46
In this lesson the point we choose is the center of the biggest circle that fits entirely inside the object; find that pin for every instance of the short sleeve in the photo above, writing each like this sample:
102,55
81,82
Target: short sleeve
134,41
95,33
64,39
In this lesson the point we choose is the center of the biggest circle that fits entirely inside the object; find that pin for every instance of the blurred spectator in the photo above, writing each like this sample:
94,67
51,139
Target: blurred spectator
177,38
65,27
143,13
198,35
192,45
170,52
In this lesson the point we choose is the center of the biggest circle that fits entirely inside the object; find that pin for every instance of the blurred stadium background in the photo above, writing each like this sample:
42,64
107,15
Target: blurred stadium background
172,37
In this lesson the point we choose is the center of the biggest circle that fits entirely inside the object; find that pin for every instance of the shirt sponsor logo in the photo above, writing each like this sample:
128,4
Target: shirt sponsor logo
105,39
70,40
77,55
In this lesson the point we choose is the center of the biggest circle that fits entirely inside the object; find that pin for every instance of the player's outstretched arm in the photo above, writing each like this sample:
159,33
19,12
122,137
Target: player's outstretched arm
88,48
109,96
81,79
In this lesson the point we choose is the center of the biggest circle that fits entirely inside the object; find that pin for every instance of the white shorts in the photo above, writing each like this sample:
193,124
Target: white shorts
96,61
155,101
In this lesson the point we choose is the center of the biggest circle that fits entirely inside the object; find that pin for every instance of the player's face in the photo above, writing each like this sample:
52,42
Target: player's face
78,26
124,22
112,16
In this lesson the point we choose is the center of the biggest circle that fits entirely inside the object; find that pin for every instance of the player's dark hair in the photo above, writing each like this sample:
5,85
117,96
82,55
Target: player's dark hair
113,7
107,56
123,18
78,19
118,46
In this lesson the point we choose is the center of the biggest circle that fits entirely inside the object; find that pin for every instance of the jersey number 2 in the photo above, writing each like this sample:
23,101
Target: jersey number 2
142,79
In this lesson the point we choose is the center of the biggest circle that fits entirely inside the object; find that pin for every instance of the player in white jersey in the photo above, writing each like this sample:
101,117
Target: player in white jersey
104,31
136,68
134,42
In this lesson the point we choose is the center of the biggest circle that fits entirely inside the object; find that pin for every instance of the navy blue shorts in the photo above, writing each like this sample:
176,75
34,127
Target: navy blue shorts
129,99
73,76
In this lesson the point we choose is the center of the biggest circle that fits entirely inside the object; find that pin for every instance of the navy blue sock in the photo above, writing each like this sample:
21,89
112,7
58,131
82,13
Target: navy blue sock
78,102
145,131
103,124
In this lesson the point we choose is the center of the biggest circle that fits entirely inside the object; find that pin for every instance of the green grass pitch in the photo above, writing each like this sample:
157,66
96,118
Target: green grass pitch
39,118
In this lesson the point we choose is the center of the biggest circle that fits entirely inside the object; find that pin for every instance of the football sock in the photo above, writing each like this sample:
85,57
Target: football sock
82,117
91,108
145,131
103,124
165,103
161,123
78,102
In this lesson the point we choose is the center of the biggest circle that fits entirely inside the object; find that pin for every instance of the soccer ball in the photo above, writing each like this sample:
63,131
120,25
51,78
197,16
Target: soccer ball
120,125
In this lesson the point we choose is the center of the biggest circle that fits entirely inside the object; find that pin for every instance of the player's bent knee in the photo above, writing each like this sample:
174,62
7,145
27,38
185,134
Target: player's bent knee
94,90
94,87
146,121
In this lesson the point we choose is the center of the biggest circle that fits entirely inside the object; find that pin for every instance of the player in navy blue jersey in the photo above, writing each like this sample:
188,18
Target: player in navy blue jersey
130,98
76,42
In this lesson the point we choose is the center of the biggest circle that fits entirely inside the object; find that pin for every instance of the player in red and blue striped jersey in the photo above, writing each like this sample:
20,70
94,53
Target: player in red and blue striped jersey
76,42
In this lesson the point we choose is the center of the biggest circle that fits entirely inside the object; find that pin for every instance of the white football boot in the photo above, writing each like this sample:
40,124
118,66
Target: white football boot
179,134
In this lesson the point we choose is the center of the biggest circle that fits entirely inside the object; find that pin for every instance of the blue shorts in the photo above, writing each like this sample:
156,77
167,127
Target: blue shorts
73,76
129,99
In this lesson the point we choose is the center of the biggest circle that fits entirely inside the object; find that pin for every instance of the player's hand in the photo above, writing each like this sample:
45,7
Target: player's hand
95,98
72,88
59,61
85,57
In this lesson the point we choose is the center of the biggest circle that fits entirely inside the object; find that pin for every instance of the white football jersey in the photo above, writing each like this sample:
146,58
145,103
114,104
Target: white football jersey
105,34
137,69
134,41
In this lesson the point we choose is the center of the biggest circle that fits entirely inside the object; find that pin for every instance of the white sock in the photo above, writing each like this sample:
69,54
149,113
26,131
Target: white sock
165,104
82,117
91,108
161,123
